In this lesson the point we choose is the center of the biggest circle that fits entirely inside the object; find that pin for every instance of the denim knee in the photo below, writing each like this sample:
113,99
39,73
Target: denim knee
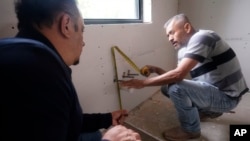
173,88
164,90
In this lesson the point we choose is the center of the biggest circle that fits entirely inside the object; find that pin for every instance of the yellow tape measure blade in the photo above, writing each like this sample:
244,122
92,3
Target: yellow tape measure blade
127,59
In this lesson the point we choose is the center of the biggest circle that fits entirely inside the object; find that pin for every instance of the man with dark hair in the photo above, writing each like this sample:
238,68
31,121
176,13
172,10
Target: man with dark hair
38,99
217,83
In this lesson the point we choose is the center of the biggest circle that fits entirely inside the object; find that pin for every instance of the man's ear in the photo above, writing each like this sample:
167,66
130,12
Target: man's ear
65,25
187,27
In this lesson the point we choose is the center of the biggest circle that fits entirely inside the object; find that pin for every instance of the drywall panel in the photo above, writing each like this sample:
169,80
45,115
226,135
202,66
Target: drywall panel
93,77
229,18
143,43
8,22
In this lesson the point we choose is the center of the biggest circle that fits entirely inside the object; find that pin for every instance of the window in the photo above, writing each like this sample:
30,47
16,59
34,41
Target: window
111,11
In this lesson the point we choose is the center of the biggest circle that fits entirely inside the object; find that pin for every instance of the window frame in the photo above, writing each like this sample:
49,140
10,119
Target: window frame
118,21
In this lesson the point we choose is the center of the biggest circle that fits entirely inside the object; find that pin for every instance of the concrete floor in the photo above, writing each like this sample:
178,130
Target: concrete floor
157,114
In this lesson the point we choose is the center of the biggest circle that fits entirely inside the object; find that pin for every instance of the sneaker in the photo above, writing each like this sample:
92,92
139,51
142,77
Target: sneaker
178,134
207,115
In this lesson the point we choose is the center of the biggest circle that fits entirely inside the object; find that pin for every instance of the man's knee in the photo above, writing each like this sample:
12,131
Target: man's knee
164,90
167,90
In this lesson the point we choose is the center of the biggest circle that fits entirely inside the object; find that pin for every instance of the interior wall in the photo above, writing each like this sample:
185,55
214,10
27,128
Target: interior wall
93,78
143,43
229,18
8,26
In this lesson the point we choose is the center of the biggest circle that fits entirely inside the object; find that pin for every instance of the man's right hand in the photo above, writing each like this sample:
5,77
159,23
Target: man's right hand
121,133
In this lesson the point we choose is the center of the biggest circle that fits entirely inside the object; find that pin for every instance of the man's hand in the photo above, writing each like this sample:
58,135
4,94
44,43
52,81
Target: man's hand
118,117
152,69
121,133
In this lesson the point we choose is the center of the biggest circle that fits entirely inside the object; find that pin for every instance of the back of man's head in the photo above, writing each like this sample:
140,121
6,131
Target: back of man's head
42,12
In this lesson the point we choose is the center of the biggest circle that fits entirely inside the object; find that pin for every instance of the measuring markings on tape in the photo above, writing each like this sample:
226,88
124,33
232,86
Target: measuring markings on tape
116,71
144,71
136,68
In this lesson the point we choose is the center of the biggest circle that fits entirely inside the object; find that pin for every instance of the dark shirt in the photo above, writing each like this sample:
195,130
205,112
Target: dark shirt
37,97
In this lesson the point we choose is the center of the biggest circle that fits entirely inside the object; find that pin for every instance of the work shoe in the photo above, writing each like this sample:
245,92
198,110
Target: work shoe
178,134
207,115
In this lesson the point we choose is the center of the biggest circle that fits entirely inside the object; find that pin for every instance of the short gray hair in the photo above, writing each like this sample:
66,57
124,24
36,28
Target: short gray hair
180,17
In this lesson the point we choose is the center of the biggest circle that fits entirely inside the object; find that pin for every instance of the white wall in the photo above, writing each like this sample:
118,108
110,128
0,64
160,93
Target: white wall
229,18
143,43
7,19
93,77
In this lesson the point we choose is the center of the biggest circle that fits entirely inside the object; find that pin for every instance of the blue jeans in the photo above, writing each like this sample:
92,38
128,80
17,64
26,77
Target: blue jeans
91,136
189,97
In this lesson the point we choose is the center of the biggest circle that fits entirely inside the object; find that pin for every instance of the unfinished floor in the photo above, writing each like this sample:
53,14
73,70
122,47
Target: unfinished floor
157,114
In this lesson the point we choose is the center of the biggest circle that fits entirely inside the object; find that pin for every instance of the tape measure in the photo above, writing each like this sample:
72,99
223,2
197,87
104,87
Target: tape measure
144,71
135,67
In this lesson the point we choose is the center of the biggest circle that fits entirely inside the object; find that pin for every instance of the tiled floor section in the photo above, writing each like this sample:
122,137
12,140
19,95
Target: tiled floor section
158,114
